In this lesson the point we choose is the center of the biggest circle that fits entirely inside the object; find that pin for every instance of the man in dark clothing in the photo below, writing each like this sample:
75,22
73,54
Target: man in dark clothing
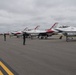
61,37
24,38
4,37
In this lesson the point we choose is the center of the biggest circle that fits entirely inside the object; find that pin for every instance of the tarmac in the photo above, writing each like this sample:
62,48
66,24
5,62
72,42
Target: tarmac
39,57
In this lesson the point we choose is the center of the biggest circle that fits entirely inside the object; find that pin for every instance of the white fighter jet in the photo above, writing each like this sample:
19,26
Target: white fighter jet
68,31
42,33
20,32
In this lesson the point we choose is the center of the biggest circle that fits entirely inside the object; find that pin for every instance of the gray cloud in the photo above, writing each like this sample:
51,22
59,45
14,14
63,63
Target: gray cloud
21,13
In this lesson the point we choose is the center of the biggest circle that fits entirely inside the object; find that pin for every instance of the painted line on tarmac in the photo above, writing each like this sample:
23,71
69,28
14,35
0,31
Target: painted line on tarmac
5,69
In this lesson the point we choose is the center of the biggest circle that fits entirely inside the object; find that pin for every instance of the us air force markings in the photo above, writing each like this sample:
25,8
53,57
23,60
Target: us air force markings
5,69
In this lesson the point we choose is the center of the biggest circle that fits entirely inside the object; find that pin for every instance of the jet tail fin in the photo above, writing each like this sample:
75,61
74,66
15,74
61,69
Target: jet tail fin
25,29
36,27
54,25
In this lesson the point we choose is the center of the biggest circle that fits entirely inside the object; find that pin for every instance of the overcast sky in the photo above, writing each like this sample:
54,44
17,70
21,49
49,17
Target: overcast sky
18,14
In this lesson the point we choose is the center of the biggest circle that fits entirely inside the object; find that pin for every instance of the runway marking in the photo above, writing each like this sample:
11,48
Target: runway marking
1,73
6,69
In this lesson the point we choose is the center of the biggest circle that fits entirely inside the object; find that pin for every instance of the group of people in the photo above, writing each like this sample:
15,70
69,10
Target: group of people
24,37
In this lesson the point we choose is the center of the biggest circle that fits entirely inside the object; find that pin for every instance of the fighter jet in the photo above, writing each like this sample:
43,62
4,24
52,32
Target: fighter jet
68,31
20,32
42,33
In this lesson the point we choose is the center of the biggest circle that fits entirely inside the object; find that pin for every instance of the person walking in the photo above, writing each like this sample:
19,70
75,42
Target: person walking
24,38
4,37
